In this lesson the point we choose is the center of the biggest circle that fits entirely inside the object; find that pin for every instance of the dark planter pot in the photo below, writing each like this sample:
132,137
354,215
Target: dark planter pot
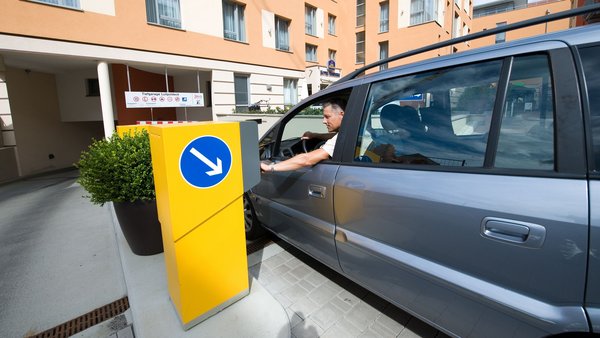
139,223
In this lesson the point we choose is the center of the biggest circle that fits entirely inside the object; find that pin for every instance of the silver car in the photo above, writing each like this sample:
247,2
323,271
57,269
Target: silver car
464,189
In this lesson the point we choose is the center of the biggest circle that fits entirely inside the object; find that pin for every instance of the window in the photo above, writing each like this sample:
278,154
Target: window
384,16
591,67
290,92
437,118
234,27
527,131
63,3
282,35
311,53
310,14
422,11
457,3
360,47
331,24
383,53
456,27
360,13
331,53
242,95
92,87
501,37
164,12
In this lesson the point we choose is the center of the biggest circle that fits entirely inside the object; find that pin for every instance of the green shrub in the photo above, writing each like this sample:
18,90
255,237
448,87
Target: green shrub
118,169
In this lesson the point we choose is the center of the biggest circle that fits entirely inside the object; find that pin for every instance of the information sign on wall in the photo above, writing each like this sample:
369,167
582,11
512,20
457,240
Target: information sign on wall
163,99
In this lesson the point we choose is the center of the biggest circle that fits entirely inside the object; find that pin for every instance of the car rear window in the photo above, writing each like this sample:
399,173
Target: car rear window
591,68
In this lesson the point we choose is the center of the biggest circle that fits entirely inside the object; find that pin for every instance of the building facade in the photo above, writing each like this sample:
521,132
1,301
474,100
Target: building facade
65,65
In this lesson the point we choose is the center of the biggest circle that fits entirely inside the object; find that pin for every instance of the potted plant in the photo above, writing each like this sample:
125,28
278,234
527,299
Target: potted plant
119,170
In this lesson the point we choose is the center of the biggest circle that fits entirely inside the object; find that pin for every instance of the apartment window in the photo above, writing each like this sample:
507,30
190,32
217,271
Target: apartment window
234,27
360,47
310,14
383,53
92,87
290,92
360,13
331,24
456,26
63,3
164,12
457,3
282,34
384,16
331,53
242,94
311,53
501,37
422,11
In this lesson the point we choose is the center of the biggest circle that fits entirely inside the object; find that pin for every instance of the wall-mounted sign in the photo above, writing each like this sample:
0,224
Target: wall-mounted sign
163,99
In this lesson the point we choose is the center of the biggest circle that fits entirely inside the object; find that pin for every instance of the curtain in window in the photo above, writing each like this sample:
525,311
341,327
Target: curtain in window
310,20
384,17
233,21
290,92
164,12
281,34
422,11
66,3
241,92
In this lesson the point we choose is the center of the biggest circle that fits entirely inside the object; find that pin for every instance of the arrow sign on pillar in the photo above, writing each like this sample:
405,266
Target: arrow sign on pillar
216,168
196,165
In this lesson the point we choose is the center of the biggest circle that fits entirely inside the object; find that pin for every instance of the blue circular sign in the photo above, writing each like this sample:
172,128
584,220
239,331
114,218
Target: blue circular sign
205,162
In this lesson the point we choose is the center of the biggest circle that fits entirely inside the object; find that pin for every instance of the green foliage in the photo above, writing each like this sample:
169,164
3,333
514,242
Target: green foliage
118,169
276,110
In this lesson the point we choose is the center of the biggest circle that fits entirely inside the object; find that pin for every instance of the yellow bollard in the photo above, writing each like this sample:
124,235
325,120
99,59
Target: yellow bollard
201,171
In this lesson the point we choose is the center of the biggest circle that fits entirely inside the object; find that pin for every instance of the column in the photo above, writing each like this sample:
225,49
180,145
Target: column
108,117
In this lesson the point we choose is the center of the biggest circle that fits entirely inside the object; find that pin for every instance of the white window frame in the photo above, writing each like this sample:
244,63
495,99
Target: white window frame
290,92
157,13
422,11
360,13
310,16
360,48
238,31
241,106
384,51
331,26
73,4
282,33
384,16
311,52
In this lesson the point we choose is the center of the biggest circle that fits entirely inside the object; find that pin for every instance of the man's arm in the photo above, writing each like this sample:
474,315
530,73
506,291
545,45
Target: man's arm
298,161
321,136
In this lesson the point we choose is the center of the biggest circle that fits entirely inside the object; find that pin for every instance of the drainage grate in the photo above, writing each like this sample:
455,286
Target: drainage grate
86,321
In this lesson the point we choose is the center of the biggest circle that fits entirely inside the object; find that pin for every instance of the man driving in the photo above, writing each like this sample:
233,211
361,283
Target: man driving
333,112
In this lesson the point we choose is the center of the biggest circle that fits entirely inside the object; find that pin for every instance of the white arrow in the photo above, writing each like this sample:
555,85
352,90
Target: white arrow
216,168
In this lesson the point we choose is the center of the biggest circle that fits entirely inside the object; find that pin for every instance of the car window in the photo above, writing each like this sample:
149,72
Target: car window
591,67
438,118
527,131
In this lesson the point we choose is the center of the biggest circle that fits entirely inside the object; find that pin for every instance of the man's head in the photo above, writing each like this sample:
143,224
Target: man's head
332,115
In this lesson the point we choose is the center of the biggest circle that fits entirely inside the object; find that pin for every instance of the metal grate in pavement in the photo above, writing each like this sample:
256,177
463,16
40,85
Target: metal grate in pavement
87,320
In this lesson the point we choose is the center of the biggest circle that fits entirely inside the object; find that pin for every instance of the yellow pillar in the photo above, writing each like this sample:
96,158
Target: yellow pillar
201,171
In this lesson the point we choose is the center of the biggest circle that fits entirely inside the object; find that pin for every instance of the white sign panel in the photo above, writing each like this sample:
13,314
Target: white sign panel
163,99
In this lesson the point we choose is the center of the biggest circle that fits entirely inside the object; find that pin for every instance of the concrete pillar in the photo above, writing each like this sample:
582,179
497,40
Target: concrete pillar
108,116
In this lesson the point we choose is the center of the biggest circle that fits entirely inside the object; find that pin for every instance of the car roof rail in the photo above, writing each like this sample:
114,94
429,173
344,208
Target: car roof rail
473,36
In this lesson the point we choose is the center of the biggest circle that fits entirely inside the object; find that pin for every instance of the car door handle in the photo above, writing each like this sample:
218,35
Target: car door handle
515,232
316,191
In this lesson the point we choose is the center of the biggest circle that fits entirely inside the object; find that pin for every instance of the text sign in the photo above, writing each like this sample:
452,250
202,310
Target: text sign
163,99
205,162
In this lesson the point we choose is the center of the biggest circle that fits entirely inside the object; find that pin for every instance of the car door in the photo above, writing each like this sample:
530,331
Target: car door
298,205
590,81
480,225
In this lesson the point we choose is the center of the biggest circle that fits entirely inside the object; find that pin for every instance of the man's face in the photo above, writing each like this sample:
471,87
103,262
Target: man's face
332,120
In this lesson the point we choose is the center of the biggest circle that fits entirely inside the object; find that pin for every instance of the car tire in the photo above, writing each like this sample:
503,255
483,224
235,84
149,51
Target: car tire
253,227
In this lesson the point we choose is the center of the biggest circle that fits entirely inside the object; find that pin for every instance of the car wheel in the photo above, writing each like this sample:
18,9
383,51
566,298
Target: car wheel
252,225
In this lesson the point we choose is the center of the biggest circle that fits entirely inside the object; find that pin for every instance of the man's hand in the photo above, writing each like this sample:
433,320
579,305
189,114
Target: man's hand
307,135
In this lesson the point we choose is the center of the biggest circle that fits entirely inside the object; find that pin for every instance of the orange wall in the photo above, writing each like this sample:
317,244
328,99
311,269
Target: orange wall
140,81
490,21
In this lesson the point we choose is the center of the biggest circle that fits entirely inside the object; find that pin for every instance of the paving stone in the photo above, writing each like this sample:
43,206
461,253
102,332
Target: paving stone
383,331
322,294
316,279
274,261
304,307
277,285
290,278
306,285
344,305
301,271
336,331
283,300
349,298
307,329
327,316
281,270
295,293
362,315
293,262
294,318
349,327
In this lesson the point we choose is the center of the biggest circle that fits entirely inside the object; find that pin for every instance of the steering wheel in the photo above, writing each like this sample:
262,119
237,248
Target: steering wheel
305,145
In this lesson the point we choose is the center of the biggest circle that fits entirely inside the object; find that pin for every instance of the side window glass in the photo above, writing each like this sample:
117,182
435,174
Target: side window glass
308,118
436,118
591,68
527,130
